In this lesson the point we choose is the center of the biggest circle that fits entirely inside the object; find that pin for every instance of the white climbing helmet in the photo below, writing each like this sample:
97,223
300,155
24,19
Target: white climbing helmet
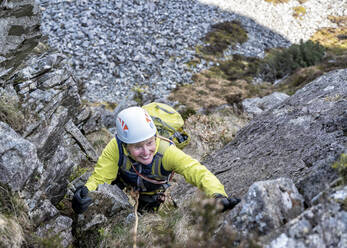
134,125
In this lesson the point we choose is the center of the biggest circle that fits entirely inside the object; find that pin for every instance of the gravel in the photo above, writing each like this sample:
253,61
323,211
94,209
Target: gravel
117,46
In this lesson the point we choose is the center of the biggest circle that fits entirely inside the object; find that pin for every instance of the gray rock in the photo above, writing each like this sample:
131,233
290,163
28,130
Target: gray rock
109,199
61,227
18,158
266,206
55,177
82,140
251,106
108,202
323,225
255,106
81,180
44,212
19,33
95,120
299,138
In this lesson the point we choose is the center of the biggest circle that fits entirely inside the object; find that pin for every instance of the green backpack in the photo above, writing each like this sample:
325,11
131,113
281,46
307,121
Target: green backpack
169,123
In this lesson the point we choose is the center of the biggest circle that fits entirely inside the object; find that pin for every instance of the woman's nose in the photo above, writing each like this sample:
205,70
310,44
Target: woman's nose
145,150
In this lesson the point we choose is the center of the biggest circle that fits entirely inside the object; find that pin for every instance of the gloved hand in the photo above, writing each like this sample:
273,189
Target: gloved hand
227,203
81,201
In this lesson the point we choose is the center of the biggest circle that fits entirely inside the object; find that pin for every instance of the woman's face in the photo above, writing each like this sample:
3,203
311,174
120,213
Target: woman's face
143,152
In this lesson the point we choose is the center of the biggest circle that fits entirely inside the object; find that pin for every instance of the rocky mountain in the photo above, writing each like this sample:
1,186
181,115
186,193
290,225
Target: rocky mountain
280,163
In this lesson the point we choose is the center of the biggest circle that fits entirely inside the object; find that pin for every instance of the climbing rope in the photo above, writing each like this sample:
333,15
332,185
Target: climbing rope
135,195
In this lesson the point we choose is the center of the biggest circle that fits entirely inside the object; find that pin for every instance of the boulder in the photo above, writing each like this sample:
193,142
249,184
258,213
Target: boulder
108,200
110,207
266,206
323,225
18,158
45,211
58,232
255,106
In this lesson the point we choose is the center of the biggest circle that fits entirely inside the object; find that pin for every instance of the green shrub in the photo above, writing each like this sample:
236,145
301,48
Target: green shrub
281,63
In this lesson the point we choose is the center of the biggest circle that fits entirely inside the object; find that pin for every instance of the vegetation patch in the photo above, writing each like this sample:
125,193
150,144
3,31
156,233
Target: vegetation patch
11,113
229,83
299,12
341,166
277,1
79,171
339,20
192,225
187,112
10,205
221,36
278,64
334,39
107,105
239,67
11,232
299,79
12,212
99,139
211,132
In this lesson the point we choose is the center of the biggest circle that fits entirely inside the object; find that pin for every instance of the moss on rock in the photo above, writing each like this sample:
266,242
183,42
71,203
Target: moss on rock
11,113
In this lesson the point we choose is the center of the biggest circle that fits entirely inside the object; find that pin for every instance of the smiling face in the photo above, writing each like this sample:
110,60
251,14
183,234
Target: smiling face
143,152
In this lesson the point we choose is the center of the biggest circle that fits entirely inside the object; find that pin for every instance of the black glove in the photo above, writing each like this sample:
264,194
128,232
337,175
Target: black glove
227,203
81,201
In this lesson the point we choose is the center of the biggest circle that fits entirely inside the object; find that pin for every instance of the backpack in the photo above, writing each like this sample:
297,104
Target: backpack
168,122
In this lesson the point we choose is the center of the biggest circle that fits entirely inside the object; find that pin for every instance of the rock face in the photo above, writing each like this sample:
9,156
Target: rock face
299,138
19,32
41,120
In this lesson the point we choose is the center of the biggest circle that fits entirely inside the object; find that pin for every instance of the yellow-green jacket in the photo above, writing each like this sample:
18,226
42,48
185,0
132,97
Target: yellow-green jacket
173,159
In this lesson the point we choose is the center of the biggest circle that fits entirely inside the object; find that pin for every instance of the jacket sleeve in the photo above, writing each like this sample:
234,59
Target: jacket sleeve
106,169
194,173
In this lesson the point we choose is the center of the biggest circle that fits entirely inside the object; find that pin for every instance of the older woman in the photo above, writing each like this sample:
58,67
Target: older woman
140,158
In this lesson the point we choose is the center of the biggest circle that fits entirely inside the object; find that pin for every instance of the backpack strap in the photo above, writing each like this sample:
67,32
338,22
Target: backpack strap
163,123
121,152
163,109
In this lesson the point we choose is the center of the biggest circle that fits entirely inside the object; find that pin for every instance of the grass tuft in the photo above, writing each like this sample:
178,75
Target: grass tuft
341,166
